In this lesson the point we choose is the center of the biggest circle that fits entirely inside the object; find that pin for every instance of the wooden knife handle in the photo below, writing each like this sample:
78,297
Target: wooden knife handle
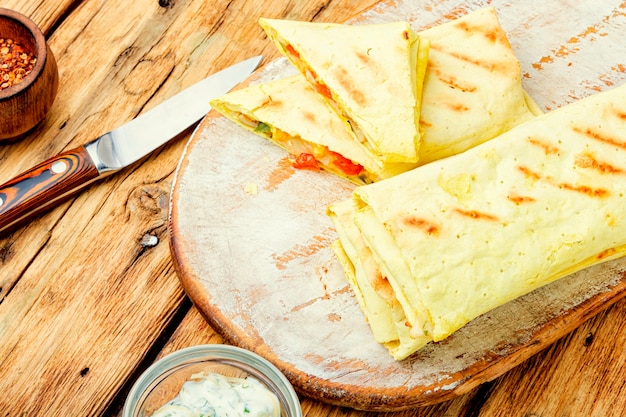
43,186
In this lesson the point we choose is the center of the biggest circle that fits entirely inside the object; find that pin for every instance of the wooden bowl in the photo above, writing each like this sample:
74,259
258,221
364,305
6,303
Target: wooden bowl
25,104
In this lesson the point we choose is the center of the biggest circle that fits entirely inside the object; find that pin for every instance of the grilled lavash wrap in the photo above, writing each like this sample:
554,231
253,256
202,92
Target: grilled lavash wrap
291,114
461,236
376,297
369,74
472,89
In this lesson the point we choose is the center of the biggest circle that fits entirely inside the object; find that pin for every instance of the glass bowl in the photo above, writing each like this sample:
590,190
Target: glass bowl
163,380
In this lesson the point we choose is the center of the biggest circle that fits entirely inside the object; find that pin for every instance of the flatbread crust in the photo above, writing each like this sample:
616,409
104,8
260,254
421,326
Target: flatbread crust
375,294
472,89
461,236
363,71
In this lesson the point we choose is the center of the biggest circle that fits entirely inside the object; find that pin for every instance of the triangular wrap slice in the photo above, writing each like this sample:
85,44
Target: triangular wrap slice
482,228
291,114
472,89
369,74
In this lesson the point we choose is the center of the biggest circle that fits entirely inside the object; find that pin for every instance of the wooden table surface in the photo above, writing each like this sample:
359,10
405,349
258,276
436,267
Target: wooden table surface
88,300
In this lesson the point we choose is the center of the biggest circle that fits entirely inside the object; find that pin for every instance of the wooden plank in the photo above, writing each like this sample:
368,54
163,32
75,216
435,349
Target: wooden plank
44,13
83,299
194,330
580,375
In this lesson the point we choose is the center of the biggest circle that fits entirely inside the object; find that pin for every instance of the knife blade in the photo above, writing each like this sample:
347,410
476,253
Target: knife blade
52,181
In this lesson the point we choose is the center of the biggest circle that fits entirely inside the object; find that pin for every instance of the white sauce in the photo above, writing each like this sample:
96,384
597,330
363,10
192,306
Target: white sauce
214,395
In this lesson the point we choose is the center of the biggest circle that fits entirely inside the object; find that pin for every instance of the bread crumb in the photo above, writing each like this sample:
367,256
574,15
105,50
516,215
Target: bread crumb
251,188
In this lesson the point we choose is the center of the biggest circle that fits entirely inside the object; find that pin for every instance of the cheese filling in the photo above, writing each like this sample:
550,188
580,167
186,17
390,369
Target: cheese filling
325,158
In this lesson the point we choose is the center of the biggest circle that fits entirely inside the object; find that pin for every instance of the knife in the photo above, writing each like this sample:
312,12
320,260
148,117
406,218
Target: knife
48,183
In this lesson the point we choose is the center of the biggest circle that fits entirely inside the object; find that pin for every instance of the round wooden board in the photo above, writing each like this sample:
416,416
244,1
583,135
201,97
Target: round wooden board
251,244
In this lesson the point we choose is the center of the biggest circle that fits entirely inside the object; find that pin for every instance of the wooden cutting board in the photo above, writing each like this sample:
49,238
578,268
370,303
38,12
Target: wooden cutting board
251,241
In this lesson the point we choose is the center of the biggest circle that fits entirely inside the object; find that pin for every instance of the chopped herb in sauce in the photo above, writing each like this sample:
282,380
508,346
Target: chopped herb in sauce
214,395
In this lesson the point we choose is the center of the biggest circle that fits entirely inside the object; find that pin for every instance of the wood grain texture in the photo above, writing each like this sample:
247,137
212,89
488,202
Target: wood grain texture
85,298
581,374
268,284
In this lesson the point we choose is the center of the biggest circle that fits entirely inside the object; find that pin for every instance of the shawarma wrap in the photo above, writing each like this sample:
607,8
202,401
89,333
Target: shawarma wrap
371,75
466,103
460,236
471,91
378,300
291,114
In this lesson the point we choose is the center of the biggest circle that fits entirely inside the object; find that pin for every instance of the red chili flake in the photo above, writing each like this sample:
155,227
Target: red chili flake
15,63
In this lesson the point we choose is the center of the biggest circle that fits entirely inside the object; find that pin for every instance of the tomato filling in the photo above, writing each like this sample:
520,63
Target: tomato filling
309,161
323,90
291,50
310,156
320,87
306,161
345,165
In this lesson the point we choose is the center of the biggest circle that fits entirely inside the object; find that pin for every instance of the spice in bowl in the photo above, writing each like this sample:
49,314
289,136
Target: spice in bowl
29,77
16,62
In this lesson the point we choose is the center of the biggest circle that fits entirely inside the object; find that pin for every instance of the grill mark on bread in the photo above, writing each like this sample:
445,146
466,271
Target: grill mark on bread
518,199
492,35
505,68
377,71
475,214
271,103
309,116
428,227
364,58
548,148
343,77
597,136
528,173
457,107
585,189
582,189
452,81
589,161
